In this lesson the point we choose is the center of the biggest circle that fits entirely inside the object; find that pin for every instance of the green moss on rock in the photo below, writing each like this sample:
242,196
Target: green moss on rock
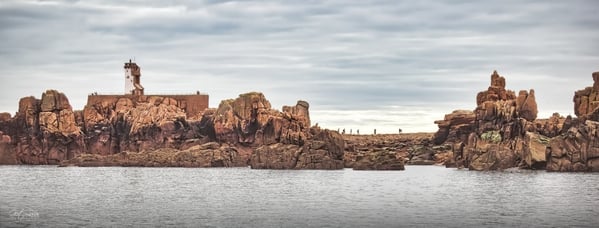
491,136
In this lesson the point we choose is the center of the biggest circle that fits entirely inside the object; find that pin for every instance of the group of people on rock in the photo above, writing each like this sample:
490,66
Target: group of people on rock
357,131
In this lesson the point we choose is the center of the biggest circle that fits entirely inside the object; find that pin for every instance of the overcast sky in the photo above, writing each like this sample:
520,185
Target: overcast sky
361,64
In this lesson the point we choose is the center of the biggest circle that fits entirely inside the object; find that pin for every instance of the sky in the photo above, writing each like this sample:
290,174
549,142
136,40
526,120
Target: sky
364,64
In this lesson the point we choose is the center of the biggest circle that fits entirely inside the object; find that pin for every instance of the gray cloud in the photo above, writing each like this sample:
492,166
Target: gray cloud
361,64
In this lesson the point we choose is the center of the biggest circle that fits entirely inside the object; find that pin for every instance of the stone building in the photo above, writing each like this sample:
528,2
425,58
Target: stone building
193,104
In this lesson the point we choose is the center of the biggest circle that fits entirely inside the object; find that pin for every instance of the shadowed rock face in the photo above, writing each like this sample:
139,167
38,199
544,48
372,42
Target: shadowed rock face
47,131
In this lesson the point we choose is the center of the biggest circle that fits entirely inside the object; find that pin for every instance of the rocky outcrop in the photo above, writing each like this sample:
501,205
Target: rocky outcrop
206,155
282,140
123,124
322,150
577,147
554,126
586,101
48,131
505,132
42,131
455,127
493,136
576,150
378,160
250,121
7,153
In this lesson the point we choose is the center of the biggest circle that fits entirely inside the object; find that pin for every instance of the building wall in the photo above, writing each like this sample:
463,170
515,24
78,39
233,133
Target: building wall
192,104
128,81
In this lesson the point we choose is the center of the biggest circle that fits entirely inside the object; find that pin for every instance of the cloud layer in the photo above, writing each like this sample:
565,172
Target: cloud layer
361,64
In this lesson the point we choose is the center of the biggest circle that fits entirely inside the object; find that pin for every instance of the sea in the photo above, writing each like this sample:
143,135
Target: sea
420,196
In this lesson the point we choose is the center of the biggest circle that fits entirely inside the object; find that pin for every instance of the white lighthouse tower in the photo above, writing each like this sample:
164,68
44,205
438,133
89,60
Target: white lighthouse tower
132,79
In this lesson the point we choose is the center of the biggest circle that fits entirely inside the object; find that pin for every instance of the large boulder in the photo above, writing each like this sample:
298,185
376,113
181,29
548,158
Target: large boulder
53,100
379,160
534,151
456,126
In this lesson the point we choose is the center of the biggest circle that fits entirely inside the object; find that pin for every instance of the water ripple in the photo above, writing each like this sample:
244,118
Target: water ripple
421,196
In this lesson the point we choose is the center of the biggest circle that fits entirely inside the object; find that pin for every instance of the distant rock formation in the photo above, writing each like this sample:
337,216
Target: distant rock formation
48,131
392,151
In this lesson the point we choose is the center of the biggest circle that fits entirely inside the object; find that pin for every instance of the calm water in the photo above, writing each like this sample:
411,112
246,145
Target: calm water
421,196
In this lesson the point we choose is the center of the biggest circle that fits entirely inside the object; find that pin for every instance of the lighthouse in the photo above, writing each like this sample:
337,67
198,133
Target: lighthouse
132,79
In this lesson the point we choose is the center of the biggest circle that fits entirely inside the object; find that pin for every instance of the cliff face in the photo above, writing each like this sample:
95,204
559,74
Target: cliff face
499,134
48,131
